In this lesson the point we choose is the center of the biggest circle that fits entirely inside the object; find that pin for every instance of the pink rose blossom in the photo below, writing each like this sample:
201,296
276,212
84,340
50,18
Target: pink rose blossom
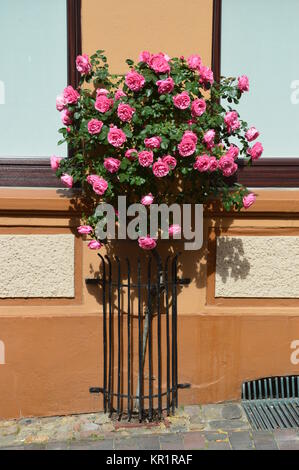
125,112
175,230
206,75
100,186
116,137
71,95
198,107
119,94
233,152
145,158
182,101
85,229
153,142
170,161
243,83
147,200
91,179
256,151
213,166
160,168
130,154
144,56
66,117
55,162
94,245
102,91
231,121
147,243
94,126
111,164
248,200
202,163
159,63
60,103
227,165
165,86
194,62
187,147
134,80
103,104
252,134
83,64
67,180
191,135
208,138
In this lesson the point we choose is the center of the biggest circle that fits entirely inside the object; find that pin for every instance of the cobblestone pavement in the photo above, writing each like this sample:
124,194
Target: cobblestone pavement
212,427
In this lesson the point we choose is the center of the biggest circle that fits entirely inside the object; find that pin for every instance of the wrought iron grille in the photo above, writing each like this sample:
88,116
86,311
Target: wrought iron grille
139,332
272,402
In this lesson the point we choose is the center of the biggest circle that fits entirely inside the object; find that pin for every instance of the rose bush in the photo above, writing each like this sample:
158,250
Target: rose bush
163,133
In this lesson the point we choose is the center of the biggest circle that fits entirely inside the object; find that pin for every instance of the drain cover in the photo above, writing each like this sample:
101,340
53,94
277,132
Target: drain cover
272,403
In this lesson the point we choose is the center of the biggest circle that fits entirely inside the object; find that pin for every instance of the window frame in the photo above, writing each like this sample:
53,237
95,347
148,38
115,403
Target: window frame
37,172
281,172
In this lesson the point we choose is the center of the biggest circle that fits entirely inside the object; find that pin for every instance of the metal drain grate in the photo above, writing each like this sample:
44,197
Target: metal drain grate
272,403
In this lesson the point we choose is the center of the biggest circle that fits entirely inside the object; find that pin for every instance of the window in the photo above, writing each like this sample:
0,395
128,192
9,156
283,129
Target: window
260,40
39,42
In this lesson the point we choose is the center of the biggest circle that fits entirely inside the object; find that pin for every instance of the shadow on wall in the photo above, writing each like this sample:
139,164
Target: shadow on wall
230,259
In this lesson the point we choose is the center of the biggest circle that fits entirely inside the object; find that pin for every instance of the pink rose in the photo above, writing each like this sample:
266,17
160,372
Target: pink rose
131,154
170,161
194,61
125,112
91,179
55,162
94,245
103,104
153,142
66,117
165,86
100,186
102,91
227,165
145,158
83,64
144,56
60,103
206,75
233,152
248,200
252,134
147,243
243,83
174,230
134,80
160,168
119,94
85,229
111,164
213,164
147,200
187,147
159,63
94,126
202,163
256,151
71,95
182,101
198,107
116,137
208,138
190,135
231,121
67,180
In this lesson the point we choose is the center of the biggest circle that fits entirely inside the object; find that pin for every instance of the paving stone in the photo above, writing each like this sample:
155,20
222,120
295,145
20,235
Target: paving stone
288,445
12,448
218,446
172,442
232,412
264,440
194,440
35,447
216,436
193,410
285,434
106,444
64,445
10,430
241,440
228,424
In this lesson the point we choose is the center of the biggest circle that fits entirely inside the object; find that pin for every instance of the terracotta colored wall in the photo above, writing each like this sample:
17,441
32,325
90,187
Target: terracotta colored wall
124,28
